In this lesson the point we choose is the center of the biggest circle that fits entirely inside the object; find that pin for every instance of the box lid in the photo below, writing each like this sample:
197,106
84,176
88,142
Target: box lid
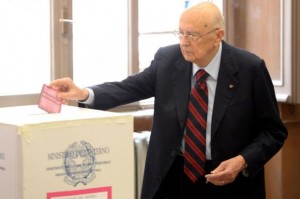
31,114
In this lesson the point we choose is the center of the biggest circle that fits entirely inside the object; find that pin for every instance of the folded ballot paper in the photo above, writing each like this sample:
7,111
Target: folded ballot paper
49,101
77,154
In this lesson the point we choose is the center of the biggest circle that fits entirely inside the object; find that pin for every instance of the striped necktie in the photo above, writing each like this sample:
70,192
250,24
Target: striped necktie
195,138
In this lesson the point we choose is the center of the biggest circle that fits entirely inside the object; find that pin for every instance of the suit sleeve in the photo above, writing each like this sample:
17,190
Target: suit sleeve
272,132
134,88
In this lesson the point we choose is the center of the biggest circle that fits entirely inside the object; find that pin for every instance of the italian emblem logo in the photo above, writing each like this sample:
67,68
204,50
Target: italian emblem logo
79,163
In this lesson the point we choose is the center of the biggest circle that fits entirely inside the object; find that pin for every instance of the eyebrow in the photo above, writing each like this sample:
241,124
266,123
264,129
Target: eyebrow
191,32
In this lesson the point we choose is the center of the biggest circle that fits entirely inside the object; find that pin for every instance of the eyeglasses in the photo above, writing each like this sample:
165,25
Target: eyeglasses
191,36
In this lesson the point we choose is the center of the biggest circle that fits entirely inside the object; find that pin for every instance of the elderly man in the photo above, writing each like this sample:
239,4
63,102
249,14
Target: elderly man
213,130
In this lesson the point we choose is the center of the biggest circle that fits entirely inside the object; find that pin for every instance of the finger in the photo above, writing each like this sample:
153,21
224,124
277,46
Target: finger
217,181
220,168
57,87
221,183
214,178
60,84
56,83
64,96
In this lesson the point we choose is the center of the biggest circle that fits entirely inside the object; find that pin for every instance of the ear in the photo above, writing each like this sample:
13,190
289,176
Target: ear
220,34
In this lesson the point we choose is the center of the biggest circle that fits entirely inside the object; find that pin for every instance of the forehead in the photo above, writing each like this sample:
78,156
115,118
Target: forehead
194,20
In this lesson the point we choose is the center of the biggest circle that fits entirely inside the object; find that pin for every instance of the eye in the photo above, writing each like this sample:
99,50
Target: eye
192,36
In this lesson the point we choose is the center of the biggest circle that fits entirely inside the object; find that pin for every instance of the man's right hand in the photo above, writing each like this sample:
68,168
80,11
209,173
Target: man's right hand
67,90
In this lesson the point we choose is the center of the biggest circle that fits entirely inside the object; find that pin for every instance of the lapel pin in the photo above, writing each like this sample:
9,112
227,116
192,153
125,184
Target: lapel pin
231,86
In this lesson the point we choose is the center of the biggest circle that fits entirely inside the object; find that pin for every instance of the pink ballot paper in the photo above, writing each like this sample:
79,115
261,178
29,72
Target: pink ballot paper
48,100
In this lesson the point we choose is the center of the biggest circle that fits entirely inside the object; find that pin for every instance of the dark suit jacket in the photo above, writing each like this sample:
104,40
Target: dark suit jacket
245,116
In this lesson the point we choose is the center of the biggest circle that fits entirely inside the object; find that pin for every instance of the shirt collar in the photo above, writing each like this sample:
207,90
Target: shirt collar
213,67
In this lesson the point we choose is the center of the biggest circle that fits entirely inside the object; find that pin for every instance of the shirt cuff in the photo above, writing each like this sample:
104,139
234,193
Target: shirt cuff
90,99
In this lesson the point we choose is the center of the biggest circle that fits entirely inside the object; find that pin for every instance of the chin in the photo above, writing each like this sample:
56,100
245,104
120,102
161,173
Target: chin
188,58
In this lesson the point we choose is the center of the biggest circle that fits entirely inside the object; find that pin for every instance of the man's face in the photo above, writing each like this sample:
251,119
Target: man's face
199,41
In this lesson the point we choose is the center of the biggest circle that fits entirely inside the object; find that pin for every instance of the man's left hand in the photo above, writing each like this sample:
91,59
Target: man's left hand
227,171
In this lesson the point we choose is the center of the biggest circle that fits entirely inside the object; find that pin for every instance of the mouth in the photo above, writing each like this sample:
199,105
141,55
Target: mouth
186,52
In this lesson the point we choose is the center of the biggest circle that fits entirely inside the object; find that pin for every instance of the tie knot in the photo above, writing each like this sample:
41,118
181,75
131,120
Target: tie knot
201,75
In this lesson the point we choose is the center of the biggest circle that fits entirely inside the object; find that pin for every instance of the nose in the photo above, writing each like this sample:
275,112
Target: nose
184,42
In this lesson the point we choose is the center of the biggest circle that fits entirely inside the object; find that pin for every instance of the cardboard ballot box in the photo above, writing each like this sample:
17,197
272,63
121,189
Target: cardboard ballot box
76,154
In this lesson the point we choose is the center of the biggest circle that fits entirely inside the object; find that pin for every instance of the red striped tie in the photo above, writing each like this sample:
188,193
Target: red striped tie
195,138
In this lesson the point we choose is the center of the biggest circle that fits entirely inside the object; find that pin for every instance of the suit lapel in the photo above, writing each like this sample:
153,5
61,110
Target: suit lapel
181,84
226,87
